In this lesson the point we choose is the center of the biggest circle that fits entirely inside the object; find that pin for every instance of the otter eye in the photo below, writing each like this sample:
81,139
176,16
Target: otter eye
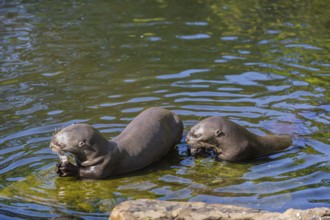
82,143
219,133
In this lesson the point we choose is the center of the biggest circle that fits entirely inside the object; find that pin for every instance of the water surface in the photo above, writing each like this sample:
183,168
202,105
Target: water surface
262,64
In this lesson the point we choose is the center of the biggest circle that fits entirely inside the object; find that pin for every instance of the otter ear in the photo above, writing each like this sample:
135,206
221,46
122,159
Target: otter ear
82,143
219,133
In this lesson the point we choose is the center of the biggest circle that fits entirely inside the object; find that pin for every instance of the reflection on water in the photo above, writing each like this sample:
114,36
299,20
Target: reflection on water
262,64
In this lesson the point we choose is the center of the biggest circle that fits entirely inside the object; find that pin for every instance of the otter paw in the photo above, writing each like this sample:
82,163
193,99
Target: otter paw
198,151
68,169
58,170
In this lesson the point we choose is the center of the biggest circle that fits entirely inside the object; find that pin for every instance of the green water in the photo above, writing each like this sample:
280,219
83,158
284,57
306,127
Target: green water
263,64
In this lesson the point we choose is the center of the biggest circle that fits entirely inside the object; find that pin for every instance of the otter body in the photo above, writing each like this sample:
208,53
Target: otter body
149,137
231,141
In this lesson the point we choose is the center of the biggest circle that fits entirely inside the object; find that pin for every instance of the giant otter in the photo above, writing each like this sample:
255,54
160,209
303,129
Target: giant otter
147,138
232,142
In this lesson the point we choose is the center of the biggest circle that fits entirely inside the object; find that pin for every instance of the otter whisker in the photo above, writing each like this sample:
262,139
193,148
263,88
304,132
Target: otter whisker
57,130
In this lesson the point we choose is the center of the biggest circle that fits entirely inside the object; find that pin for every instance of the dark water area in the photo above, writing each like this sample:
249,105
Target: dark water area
263,64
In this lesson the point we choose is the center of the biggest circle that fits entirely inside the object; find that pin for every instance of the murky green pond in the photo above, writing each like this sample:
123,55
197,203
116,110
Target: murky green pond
263,64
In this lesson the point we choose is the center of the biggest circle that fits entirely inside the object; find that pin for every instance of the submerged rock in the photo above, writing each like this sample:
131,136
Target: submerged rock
154,209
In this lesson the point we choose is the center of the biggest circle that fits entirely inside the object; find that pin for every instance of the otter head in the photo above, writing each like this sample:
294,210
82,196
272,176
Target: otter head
205,135
81,140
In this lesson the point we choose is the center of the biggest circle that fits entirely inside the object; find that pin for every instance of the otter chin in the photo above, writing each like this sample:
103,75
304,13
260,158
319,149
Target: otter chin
232,142
146,139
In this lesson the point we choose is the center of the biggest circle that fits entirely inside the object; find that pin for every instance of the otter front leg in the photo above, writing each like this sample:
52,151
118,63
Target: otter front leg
93,172
67,169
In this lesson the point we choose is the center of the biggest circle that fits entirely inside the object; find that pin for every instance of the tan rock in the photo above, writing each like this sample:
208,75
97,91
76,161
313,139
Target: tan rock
154,209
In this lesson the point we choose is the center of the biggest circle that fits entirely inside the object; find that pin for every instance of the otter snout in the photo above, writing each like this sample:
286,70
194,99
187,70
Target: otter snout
192,141
193,134
188,139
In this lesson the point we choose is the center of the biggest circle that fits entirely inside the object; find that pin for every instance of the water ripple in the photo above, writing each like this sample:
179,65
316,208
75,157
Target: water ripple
183,74
66,63
193,37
